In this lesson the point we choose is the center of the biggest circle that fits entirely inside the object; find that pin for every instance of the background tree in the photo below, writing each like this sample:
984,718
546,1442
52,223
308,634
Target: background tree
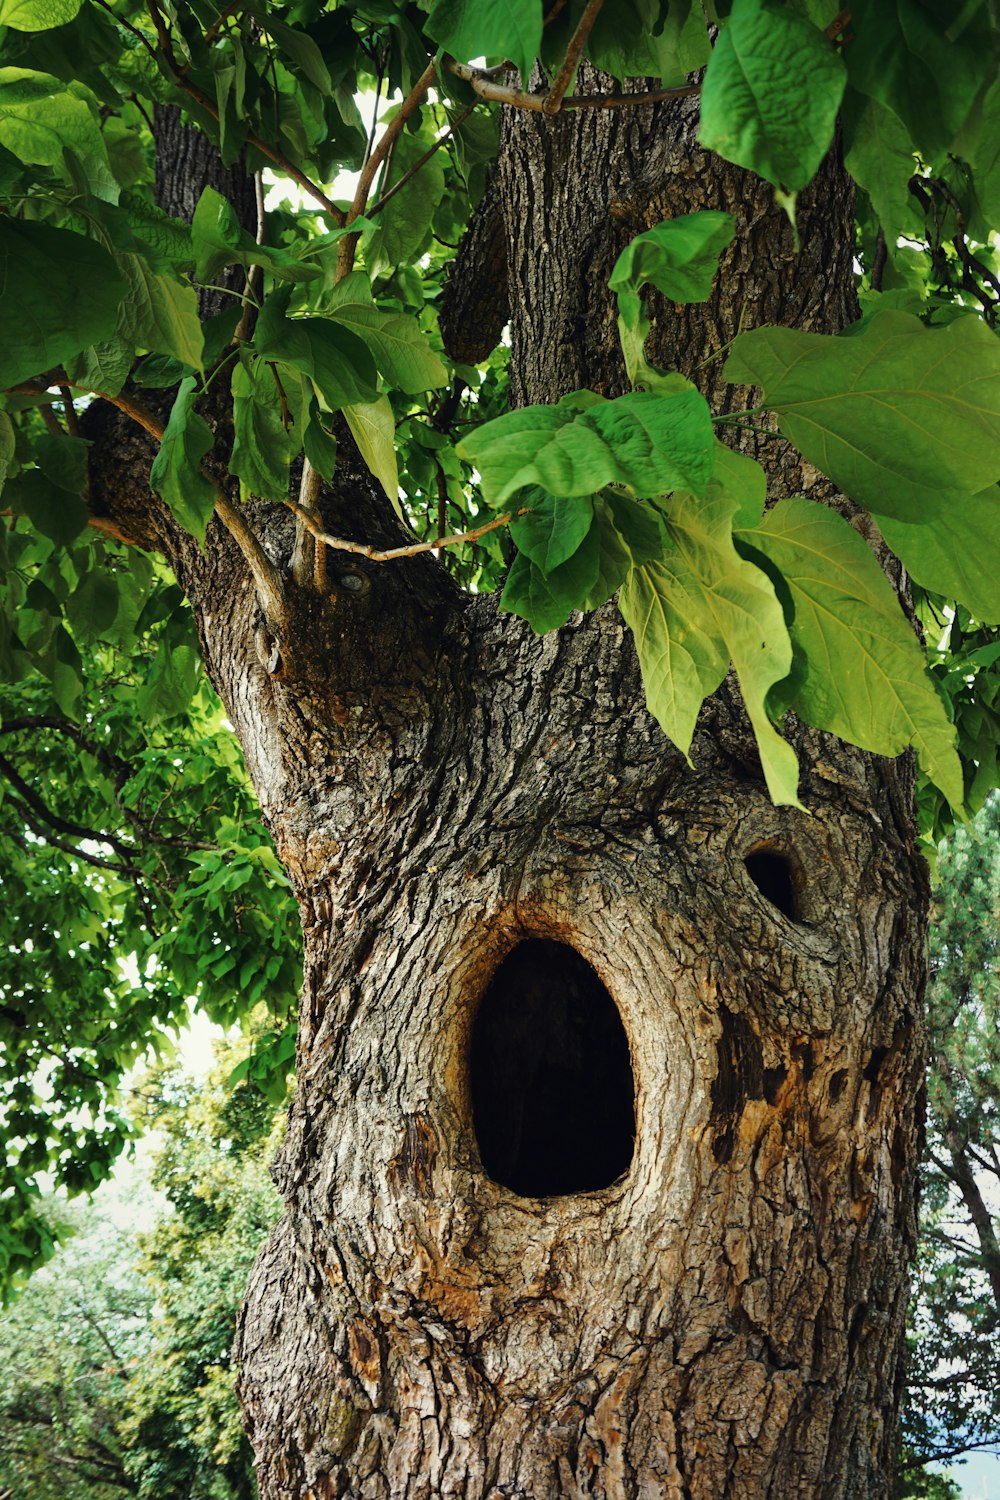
599,1171
952,1403
116,1361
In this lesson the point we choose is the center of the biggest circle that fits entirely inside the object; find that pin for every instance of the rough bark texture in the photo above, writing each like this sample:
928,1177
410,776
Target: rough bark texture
723,1321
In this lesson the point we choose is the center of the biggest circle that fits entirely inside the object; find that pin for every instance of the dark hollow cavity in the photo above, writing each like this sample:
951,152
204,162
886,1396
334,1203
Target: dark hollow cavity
772,874
550,1076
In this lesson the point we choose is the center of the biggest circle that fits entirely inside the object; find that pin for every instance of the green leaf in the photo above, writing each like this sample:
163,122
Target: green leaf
56,512
899,415
680,257
159,312
66,291
865,677
956,552
554,527
692,612
979,144
41,118
175,474
546,600
301,48
907,56
101,367
492,28
374,431
93,604
743,481
771,93
402,227
630,533
37,15
397,345
63,461
220,240
880,159
336,360
7,446
651,442
320,445
267,434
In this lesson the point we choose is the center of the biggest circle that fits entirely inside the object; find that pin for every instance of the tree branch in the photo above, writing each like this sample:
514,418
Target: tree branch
412,171
348,245
376,554
561,82
519,99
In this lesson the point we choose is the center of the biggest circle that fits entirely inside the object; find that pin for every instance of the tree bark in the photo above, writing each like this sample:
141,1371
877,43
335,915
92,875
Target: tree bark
723,1320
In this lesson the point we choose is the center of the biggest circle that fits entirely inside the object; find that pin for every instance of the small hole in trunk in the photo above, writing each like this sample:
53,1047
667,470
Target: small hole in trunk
773,873
550,1076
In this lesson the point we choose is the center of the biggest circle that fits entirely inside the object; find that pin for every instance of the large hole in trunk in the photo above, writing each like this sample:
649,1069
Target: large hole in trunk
550,1076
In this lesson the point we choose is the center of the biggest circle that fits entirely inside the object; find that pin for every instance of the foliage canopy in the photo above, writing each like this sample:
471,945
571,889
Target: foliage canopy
120,786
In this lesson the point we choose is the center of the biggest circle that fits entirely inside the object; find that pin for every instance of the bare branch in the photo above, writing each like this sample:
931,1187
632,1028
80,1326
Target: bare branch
347,246
561,82
519,99
376,554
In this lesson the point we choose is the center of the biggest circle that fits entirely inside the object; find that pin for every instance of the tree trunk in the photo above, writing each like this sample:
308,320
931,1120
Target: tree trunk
532,933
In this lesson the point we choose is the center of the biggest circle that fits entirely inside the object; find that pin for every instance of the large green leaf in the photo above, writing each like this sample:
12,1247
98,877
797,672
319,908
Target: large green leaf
553,528
374,430
956,552
268,426
979,145
924,61
398,347
37,15
901,416
41,118
176,474
652,443
159,312
61,291
101,367
402,228
880,159
336,360
546,600
695,610
630,533
495,28
771,93
864,675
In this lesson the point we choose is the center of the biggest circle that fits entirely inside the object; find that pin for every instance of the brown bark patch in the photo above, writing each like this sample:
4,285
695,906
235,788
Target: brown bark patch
412,1169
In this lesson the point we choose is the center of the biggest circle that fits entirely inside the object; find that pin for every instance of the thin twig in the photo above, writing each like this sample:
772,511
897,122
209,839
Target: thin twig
69,411
518,99
53,426
376,554
220,19
304,550
347,246
422,161
442,495
561,82
379,78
